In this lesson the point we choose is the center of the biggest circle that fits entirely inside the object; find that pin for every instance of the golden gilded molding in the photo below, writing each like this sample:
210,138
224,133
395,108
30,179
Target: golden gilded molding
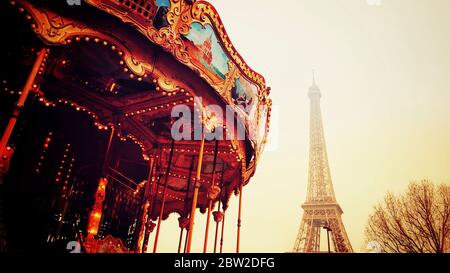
203,12
164,37
167,84
53,27
180,16
57,30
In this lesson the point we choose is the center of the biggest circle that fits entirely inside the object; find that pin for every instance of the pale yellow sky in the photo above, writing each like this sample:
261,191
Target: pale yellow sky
384,74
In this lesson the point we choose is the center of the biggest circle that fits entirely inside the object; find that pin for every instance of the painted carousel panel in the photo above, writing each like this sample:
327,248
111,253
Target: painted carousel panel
206,52
244,95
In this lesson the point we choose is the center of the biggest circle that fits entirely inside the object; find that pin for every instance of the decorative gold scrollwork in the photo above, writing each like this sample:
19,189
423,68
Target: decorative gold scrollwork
53,27
167,84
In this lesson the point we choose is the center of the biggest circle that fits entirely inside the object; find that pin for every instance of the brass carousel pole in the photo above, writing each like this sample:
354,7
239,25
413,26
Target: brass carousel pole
188,187
213,178
96,213
163,202
145,206
195,196
218,213
186,240
180,239
20,103
239,219
221,234
150,225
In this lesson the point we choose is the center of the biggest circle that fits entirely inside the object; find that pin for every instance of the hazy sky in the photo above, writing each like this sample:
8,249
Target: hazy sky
384,74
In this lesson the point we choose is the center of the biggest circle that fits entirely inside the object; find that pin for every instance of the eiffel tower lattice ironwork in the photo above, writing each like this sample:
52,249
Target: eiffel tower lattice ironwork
320,209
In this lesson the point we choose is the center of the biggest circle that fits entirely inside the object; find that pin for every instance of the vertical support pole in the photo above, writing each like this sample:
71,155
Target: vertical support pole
215,236
108,152
222,233
219,208
145,207
150,226
195,196
163,202
20,103
239,223
96,213
180,240
213,178
208,219
188,188
186,240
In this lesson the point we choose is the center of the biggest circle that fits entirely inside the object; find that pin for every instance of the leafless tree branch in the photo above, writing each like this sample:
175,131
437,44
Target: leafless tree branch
417,221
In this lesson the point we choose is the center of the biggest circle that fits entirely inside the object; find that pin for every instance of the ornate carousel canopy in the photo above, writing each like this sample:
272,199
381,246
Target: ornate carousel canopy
124,65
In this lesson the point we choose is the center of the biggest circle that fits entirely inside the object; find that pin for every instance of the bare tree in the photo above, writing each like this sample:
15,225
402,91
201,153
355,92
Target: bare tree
417,221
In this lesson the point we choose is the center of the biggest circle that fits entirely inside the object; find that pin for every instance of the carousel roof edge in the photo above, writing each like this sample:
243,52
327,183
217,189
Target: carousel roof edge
175,25
238,55
176,32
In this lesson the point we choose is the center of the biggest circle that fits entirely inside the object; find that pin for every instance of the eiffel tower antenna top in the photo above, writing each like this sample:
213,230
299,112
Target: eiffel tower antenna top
314,90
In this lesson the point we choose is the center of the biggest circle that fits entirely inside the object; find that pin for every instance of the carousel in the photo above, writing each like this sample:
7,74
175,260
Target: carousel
89,96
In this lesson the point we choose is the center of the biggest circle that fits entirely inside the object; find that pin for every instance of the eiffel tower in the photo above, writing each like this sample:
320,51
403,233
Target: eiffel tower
320,209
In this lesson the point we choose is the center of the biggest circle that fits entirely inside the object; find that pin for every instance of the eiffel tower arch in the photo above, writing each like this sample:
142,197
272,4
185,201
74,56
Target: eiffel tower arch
321,210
